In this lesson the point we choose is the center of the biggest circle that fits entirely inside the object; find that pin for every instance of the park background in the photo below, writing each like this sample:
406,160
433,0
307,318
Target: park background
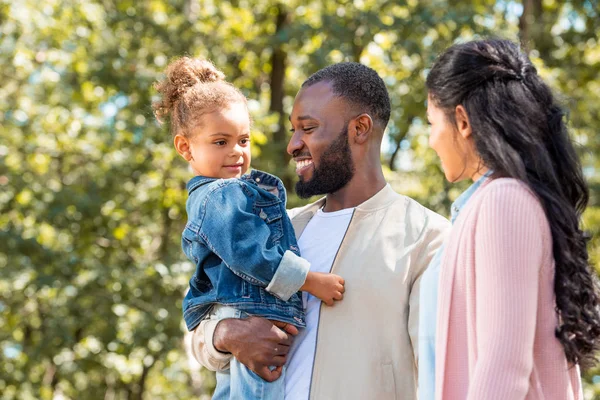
92,195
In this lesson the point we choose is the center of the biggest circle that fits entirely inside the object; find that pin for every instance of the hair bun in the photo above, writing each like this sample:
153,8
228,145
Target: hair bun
189,71
181,75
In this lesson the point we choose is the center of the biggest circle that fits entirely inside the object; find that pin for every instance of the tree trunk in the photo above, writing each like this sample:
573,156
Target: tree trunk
357,51
167,222
277,79
532,11
138,394
399,139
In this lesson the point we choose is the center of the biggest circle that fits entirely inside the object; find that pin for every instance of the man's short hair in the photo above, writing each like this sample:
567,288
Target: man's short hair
359,85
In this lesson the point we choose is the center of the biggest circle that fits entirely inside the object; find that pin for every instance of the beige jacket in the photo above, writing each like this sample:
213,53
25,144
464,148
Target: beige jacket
367,343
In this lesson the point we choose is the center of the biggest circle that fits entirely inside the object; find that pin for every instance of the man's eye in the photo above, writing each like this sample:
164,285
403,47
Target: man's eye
308,129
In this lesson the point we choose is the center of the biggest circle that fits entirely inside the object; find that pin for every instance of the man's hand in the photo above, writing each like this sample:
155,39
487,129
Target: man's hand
257,343
327,287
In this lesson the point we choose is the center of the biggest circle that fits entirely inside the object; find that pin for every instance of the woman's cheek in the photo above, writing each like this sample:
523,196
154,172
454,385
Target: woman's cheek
432,139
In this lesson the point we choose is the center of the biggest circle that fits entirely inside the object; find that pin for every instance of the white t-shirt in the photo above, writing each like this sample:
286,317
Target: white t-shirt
318,244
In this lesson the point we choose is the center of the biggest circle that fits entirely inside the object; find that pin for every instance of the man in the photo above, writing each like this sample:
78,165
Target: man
365,346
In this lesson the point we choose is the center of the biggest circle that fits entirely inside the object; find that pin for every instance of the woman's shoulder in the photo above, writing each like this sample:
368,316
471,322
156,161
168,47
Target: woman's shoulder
507,191
502,197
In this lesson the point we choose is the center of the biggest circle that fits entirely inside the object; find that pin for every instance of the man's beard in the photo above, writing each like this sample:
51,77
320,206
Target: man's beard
335,169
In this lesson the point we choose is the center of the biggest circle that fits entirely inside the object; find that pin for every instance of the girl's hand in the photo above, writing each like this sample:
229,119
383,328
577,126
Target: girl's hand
327,287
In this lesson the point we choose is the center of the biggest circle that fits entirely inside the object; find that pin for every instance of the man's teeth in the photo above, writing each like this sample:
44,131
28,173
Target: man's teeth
303,163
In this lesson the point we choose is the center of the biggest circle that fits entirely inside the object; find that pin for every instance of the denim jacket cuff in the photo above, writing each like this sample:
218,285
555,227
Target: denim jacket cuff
289,277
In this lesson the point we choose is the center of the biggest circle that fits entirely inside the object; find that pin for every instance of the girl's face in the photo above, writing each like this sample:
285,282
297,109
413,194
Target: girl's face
452,143
220,146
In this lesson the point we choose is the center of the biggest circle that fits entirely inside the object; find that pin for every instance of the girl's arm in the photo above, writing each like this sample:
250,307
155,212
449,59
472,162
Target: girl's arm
240,238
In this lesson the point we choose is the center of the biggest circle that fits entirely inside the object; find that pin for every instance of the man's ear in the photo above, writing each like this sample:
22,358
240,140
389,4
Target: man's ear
363,128
462,121
182,145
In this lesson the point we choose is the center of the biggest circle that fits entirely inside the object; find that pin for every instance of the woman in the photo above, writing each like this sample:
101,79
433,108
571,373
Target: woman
518,304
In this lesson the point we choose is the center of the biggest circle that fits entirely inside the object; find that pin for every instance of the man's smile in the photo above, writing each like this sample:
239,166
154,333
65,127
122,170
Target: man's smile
303,165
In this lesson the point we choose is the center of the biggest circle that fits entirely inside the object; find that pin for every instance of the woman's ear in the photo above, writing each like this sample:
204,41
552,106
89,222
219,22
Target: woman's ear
182,145
462,121
363,128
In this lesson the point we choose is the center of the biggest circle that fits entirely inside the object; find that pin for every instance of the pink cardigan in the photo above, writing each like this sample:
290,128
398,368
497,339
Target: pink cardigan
496,317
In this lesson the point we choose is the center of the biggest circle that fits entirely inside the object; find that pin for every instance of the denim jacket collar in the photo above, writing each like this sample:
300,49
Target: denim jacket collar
198,181
258,178
462,200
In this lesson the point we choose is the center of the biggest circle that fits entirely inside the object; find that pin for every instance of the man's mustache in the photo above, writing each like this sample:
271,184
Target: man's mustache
297,154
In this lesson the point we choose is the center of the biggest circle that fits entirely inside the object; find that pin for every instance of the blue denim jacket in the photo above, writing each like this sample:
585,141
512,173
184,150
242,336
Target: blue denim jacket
243,244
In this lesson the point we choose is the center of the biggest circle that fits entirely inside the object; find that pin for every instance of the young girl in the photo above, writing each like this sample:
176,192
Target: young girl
238,233
518,304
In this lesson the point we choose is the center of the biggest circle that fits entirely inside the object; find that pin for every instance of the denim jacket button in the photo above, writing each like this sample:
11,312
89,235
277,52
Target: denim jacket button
263,214
257,179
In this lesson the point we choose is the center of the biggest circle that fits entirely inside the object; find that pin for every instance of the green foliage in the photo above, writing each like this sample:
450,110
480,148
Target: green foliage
92,195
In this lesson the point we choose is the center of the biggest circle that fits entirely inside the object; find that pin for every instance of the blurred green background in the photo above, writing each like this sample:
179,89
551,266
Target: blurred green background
92,198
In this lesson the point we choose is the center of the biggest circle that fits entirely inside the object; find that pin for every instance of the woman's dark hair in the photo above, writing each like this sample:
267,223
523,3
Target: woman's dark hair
519,132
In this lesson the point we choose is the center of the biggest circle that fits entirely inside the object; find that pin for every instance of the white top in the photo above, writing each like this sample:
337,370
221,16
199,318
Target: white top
318,244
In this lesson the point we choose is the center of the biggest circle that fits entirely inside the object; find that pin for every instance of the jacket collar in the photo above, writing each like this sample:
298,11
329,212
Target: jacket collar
381,199
198,181
261,178
256,177
463,199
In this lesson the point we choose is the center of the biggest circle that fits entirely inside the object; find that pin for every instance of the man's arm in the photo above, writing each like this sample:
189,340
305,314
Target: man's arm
255,342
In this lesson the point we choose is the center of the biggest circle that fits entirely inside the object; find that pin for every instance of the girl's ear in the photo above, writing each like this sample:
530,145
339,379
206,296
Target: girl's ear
182,145
462,121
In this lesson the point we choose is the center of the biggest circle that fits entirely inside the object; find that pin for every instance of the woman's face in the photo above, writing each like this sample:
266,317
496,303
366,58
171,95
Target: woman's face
452,148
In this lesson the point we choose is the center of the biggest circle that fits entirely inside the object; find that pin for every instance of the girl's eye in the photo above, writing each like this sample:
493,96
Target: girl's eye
245,141
220,143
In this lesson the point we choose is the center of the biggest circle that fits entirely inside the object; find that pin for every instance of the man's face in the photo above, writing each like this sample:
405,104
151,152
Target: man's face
319,143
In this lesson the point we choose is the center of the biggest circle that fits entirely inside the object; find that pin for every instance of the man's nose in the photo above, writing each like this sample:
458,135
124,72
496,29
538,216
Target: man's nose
295,143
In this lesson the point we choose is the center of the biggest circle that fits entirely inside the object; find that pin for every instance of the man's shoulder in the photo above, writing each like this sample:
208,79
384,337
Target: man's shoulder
433,218
417,217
